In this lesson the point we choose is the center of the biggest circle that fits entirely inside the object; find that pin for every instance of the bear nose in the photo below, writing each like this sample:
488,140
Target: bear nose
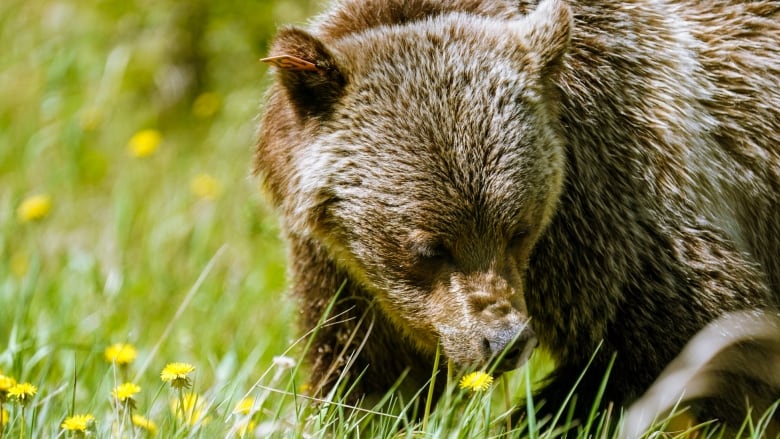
510,346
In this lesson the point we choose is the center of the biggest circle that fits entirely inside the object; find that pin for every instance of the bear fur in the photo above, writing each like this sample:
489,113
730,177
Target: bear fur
482,174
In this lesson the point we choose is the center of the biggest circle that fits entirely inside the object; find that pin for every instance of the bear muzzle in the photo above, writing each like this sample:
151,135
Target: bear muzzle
509,347
500,348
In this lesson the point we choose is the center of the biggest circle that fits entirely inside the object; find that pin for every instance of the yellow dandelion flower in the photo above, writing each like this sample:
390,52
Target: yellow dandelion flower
205,186
245,406
476,381
144,143
145,423
78,423
6,383
192,407
22,392
245,427
120,353
126,391
34,208
176,374
206,105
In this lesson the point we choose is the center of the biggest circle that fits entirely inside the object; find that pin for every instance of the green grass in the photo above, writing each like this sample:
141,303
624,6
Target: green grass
130,253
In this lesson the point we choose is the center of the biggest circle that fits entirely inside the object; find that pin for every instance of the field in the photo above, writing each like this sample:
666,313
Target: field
129,215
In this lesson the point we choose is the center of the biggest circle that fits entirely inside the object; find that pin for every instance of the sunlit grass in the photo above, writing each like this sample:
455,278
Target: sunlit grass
116,191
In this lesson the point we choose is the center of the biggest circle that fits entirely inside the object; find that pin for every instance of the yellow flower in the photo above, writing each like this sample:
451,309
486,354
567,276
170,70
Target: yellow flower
125,392
146,424
120,353
78,423
206,105
205,186
176,374
245,406
22,392
192,407
144,143
34,208
245,427
476,381
4,417
6,383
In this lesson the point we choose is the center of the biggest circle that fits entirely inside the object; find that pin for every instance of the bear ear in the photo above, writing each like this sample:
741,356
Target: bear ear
547,33
307,71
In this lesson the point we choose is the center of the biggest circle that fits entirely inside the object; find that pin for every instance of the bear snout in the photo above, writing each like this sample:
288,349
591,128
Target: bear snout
510,347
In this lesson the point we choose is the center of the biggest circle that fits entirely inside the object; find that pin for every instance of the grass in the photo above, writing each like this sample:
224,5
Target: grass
164,243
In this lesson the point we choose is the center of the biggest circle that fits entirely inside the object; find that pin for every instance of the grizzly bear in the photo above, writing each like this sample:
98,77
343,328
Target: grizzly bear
595,176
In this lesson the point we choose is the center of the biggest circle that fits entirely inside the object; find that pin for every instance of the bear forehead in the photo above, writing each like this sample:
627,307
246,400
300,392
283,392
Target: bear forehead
432,93
436,115
443,42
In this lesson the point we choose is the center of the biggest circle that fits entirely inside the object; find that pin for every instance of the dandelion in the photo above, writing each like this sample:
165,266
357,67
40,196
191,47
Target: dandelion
124,394
22,392
190,408
79,424
3,419
176,374
34,208
476,381
206,105
144,423
6,383
144,143
120,353
205,186
245,406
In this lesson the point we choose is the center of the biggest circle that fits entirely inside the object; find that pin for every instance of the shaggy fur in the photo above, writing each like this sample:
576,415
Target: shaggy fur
483,171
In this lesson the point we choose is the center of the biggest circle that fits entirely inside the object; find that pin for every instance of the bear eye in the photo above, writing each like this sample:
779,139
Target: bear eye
518,238
428,250
431,252
435,252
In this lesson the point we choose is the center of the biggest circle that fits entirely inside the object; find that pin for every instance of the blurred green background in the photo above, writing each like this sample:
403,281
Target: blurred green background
127,236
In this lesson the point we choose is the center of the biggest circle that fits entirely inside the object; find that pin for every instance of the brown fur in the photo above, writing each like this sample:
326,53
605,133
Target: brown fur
582,173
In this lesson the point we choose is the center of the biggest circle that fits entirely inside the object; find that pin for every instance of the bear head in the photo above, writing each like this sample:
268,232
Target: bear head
426,158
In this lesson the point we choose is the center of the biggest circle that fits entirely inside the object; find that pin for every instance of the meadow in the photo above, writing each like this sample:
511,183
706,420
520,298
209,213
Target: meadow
142,275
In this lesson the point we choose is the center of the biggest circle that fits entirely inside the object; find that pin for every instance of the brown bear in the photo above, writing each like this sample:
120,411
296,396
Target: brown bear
482,174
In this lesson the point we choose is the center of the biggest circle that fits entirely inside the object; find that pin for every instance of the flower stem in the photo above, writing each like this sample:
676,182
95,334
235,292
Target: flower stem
181,406
21,430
